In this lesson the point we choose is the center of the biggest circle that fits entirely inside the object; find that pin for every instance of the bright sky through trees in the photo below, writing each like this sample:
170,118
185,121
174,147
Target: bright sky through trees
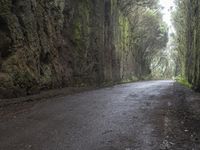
168,6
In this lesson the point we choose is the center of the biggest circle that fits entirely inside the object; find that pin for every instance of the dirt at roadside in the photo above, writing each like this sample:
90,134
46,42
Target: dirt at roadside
9,108
181,119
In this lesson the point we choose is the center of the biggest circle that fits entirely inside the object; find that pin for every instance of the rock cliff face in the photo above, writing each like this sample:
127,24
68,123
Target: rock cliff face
193,44
55,43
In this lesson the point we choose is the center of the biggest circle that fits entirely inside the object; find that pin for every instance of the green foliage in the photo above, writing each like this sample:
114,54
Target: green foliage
145,35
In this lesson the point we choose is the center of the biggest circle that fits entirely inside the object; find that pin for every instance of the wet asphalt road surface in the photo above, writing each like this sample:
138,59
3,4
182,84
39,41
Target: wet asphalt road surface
152,115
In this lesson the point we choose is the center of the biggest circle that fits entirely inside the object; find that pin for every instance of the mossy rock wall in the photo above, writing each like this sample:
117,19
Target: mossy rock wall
49,44
192,64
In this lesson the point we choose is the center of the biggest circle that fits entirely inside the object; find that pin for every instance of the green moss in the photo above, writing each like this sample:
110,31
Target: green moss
47,75
24,80
183,81
5,80
77,30
11,64
81,27
5,7
113,6
129,80
124,28
19,73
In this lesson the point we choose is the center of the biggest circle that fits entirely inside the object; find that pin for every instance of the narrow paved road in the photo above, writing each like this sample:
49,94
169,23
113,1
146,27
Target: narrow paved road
153,115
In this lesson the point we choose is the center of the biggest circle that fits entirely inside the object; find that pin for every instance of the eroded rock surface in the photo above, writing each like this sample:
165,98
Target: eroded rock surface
55,43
